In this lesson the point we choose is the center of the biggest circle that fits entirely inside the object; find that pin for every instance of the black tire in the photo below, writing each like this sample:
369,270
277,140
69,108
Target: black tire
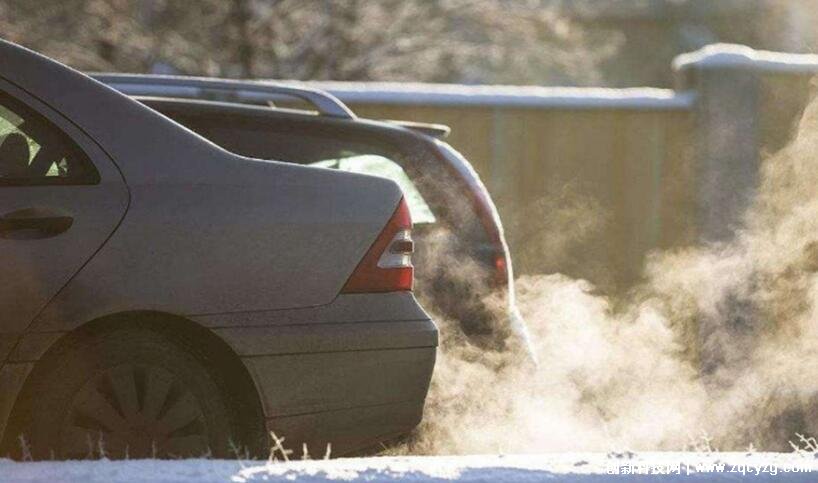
126,393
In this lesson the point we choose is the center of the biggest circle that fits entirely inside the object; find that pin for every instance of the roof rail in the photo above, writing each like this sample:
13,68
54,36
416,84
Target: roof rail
236,91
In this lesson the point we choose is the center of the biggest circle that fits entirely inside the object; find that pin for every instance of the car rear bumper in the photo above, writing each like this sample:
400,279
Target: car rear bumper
349,399
347,431
351,373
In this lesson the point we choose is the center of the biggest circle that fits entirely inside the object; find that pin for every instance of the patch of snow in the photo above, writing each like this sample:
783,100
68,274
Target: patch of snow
741,56
417,93
563,467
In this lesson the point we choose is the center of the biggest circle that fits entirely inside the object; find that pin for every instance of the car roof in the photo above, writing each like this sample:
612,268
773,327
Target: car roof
253,92
231,95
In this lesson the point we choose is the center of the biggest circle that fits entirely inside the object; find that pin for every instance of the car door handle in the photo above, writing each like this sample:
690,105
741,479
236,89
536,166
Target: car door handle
34,224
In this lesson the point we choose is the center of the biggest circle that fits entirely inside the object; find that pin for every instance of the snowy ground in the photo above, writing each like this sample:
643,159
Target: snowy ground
649,467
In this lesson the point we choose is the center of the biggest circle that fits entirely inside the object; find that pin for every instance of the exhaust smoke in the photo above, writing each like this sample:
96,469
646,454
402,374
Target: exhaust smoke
718,347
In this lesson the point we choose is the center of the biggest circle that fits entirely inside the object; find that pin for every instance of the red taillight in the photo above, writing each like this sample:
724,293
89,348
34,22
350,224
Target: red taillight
387,266
501,269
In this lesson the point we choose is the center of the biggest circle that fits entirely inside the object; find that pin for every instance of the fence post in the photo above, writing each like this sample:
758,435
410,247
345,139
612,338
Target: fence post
726,133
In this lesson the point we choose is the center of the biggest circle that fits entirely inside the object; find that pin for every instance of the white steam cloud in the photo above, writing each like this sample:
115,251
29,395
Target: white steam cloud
719,344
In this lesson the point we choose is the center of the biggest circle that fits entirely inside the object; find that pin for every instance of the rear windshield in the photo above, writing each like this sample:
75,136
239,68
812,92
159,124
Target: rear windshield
377,165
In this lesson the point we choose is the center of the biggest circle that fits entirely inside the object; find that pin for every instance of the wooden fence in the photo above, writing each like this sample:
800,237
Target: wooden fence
588,181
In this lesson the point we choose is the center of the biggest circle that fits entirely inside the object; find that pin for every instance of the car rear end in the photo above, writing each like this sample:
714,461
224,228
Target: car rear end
462,262
463,267
493,315
352,373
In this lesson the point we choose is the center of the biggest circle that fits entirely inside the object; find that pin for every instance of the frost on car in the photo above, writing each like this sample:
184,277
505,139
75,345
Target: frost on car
161,296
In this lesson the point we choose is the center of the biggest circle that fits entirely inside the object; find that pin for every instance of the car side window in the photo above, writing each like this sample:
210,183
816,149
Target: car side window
376,165
33,151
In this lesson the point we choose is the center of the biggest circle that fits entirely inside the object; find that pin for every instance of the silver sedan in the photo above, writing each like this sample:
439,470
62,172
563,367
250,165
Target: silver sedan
162,297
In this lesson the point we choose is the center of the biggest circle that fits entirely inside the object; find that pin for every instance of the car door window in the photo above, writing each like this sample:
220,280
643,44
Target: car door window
33,151
376,165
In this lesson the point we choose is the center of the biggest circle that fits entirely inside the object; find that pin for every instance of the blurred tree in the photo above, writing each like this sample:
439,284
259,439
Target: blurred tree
487,41
653,32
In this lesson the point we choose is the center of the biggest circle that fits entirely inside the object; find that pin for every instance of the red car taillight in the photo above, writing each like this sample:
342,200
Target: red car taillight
500,269
387,266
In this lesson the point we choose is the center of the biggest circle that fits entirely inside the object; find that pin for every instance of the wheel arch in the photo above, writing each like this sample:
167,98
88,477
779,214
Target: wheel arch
232,376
